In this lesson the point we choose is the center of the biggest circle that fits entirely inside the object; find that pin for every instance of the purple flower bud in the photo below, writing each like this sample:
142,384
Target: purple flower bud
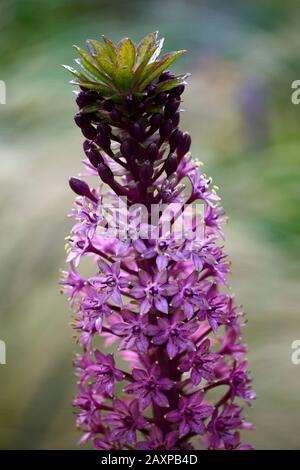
86,127
177,91
108,105
126,149
84,98
104,128
155,121
151,89
87,145
161,98
171,107
175,139
141,108
103,141
137,131
184,146
94,157
175,119
166,76
115,115
81,188
105,173
152,151
145,171
166,129
171,165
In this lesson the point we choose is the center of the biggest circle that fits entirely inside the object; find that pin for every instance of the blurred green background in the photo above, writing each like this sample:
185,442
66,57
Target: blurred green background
243,57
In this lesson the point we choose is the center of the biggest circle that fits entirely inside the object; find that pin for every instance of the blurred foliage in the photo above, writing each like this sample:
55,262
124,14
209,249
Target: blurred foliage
243,57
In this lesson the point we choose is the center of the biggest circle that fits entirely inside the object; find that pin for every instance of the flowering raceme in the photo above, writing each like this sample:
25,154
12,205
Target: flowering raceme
179,376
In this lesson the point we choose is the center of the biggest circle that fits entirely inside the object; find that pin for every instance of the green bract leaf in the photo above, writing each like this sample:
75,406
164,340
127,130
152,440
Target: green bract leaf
123,79
104,90
144,47
110,48
169,84
145,63
92,72
74,72
105,65
96,48
160,66
126,54
87,62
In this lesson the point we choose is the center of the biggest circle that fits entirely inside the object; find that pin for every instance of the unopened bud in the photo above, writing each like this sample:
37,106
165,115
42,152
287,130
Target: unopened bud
185,145
81,188
151,89
108,105
175,119
166,129
103,141
105,173
94,157
171,107
175,139
137,131
161,98
115,115
152,151
177,91
86,127
146,171
165,76
171,165
126,149
104,128
84,98
155,121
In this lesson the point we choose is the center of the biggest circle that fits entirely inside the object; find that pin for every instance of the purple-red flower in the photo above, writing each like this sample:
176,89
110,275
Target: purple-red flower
201,363
149,386
190,415
102,372
152,291
223,426
132,331
240,383
109,282
190,294
175,332
214,310
159,441
125,421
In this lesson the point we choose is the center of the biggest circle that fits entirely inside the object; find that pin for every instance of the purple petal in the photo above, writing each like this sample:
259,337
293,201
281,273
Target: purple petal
145,307
160,399
172,349
161,304
173,416
161,262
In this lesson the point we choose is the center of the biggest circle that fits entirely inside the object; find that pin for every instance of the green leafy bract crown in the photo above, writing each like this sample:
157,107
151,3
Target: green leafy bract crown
119,69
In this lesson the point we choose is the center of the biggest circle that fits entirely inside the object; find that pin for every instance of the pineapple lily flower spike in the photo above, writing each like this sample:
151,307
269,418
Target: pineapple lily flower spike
162,298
